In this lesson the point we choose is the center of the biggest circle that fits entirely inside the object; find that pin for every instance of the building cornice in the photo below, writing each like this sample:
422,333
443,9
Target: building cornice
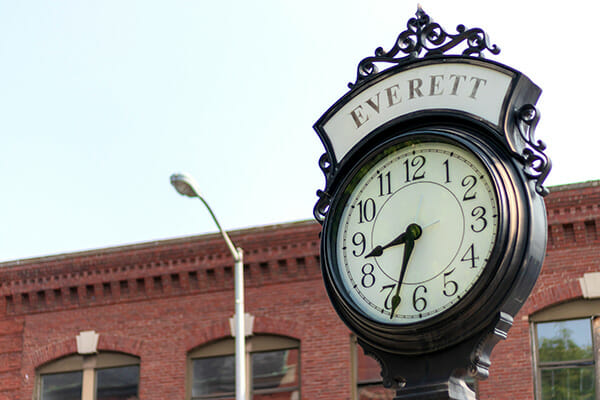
574,186
175,267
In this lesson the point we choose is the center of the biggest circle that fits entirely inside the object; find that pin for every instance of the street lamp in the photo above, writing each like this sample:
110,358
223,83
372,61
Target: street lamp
185,185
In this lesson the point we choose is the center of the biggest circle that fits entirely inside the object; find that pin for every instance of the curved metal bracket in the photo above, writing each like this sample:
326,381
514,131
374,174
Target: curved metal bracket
536,164
480,358
322,205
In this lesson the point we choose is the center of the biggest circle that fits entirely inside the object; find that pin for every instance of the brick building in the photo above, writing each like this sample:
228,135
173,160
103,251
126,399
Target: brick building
152,320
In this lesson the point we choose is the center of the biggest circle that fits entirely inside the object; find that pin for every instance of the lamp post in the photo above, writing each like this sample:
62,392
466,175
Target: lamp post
185,185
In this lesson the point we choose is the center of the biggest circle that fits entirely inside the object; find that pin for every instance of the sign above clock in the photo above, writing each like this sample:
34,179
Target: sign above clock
479,90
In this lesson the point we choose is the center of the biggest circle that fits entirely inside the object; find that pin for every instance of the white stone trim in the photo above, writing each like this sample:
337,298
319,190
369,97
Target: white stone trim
248,322
87,342
590,285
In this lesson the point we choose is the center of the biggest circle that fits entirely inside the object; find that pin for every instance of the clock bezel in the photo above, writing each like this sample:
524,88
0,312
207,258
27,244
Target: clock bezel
481,304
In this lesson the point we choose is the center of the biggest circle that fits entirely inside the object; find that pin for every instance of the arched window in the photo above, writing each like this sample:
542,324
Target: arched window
273,365
565,341
103,376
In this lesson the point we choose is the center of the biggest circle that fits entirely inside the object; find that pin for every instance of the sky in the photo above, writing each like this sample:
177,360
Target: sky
101,101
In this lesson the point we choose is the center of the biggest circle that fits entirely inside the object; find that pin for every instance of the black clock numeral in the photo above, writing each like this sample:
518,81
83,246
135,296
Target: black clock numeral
359,240
368,279
450,286
417,162
479,213
469,182
469,256
366,210
385,184
447,169
419,303
387,305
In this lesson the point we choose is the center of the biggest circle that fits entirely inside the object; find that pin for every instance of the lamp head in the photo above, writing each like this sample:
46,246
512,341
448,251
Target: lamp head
185,185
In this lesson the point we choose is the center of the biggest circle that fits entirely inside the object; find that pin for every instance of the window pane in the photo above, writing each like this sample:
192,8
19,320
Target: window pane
214,377
65,386
568,384
117,383
565,340
275,370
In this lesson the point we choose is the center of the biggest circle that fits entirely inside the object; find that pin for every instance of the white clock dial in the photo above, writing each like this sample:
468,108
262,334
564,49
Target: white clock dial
416,231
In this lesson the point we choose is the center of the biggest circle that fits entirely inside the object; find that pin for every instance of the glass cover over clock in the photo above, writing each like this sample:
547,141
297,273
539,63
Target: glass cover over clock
415,230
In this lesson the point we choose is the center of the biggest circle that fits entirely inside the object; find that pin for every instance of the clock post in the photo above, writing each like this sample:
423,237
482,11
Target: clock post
433,219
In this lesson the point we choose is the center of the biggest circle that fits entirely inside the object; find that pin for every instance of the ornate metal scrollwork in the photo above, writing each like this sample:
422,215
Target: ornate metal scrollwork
322,206
536,164
422,34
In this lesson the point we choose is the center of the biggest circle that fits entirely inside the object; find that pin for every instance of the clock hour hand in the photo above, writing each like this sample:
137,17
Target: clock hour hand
413,232
378,250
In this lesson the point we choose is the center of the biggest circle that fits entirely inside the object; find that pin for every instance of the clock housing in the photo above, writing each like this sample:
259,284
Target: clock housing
478,306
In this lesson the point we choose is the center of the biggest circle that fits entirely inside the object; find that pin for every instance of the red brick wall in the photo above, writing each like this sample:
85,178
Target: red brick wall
159,300
573,249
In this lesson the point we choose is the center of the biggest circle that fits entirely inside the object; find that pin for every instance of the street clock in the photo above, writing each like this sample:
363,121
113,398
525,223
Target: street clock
434,225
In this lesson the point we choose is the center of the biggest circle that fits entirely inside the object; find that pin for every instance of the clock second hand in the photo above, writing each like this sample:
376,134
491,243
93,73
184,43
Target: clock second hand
418,208
430,224
412,233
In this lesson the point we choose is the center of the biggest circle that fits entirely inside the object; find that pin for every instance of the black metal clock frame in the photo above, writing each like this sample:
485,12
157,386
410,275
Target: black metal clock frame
427,359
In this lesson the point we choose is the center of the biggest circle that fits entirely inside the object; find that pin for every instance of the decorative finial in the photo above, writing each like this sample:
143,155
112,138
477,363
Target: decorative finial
425,36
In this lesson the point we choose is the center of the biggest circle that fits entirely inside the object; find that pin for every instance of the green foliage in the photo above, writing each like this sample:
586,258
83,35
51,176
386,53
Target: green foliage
563,348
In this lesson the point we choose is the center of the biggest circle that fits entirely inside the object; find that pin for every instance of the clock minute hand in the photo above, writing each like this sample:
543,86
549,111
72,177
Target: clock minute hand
378,250
413,232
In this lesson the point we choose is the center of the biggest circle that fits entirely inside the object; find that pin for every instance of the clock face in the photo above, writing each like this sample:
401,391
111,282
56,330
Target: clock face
416,228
